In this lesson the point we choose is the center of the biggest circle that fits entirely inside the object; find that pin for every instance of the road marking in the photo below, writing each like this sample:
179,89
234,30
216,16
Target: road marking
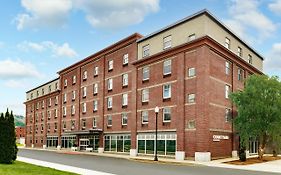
62,167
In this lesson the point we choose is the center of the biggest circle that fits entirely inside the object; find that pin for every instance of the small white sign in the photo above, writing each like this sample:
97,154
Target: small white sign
217,138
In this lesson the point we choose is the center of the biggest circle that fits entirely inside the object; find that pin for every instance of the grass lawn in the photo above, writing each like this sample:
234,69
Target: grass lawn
18,144
21,168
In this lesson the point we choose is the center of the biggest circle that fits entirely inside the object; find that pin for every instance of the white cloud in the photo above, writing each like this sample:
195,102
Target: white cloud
17,70
246,18
273,61
43,13
63,50
275,7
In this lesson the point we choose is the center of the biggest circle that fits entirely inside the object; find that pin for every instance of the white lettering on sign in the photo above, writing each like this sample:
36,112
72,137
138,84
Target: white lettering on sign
217,138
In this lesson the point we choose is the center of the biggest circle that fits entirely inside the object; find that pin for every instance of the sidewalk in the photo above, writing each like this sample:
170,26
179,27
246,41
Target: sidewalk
272,166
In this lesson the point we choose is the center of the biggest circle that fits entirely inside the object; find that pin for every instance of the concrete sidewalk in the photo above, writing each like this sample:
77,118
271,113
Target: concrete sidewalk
272,166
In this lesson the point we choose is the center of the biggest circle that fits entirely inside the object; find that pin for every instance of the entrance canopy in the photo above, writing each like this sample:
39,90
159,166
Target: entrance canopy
84,132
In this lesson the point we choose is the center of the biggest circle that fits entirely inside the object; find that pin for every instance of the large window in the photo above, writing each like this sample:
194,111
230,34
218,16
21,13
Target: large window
110,65
124,119
109,121
166,91
117,143
95,105
145,51
109,84
144,117
166,114
125,59
109,102
167,67
167,42
52,141
145,73
68,141
124,99
145,95
125,80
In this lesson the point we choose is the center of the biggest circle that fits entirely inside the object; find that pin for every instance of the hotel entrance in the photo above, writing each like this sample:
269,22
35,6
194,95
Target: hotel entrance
89,143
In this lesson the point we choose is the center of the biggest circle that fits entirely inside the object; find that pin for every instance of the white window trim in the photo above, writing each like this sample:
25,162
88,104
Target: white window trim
145,94
142,117
124,115
125,59
190,72
110,65
96,72
109,116
167,121
145,51
144,70
124,99
125,80
170,91
109,101
169,63
167,42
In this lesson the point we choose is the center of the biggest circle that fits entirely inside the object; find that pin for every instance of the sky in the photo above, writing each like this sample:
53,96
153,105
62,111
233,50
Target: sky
40,37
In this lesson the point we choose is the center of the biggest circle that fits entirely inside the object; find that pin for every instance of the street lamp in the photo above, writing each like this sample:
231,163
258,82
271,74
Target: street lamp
156,110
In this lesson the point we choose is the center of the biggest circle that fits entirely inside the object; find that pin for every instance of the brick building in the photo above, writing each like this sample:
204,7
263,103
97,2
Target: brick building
106,101
20,132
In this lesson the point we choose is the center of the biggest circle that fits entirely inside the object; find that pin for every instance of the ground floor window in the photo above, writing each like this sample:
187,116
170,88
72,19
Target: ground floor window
91,141
166,143
68,141
52,141
253,146
117,143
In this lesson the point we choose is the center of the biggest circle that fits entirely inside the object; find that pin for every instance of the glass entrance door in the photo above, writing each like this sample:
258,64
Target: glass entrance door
84,144
253,147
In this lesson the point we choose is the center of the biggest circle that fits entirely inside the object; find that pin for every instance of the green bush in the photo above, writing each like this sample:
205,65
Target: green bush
242,154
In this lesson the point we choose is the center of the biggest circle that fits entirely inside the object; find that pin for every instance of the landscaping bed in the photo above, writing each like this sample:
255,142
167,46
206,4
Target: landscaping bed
254,160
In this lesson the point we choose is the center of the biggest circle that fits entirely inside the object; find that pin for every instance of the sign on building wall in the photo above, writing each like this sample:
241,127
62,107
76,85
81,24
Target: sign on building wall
217,138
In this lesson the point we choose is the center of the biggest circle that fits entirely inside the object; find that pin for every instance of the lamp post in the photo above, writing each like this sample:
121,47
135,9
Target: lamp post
156,110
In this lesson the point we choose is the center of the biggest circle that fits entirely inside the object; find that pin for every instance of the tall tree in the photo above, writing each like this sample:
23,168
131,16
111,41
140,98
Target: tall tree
259,111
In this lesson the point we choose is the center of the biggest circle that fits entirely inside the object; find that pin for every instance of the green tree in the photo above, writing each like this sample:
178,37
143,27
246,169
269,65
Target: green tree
259,111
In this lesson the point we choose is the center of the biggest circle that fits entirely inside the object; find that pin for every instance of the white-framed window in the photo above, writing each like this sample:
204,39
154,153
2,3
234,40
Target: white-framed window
191,98
96,88
166,91
84,107
50,102
94,122
166,114
50,89
43,92
56,113
227,43
250,59
191,72
145,95
74,79
124,99
191,37
56,86
65,97
110,65
109,102
56,100
227,68
83,124
64,124
191,124
124,119
145,51
64,111
84,90
109,84
72,124
167,42
125,59
167,67
37,105
49,115
228,115
85,75
145,73
125,79
144,117
65,82
96,71
43,104
73,95
227,91
240,74
239,51
72,109
109,120
95,107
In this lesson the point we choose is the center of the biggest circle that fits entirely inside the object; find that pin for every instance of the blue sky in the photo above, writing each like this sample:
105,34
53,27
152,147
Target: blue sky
40,37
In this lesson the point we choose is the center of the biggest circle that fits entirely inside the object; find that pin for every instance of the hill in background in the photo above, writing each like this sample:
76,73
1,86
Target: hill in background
19,120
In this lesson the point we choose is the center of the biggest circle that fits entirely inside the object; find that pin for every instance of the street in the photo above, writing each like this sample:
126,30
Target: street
129,167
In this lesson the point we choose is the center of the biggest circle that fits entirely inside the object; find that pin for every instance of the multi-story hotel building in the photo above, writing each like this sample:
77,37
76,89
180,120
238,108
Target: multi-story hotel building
106,101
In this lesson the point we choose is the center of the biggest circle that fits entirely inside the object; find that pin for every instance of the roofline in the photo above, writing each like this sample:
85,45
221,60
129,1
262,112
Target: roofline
134,35
195,15
42,85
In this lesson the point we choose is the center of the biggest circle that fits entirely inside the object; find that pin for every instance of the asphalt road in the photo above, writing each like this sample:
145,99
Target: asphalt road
129,167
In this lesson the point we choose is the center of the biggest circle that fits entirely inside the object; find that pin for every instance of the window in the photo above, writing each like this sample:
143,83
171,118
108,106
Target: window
95,88
145,95
239,51
84,92
227,43
228,115
191,37
37,105
166,91
167,42
191,124
109,102
240,74
167,67
109,120
49,115
65,82
96,71
250,60
56,126
64,98
56,100
125,80
64,111
56,113
43,104
83,123
124,119
227,91
145,51
191,72
125,59
110,65
84,107
85,75
72,110
74,79
227,68
50,88
124,99
56,86
94,122
50,102
166,114
95,103
191,98
64,124
43,91
109,84
72,124
145,73
37,93
73,95
144,117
